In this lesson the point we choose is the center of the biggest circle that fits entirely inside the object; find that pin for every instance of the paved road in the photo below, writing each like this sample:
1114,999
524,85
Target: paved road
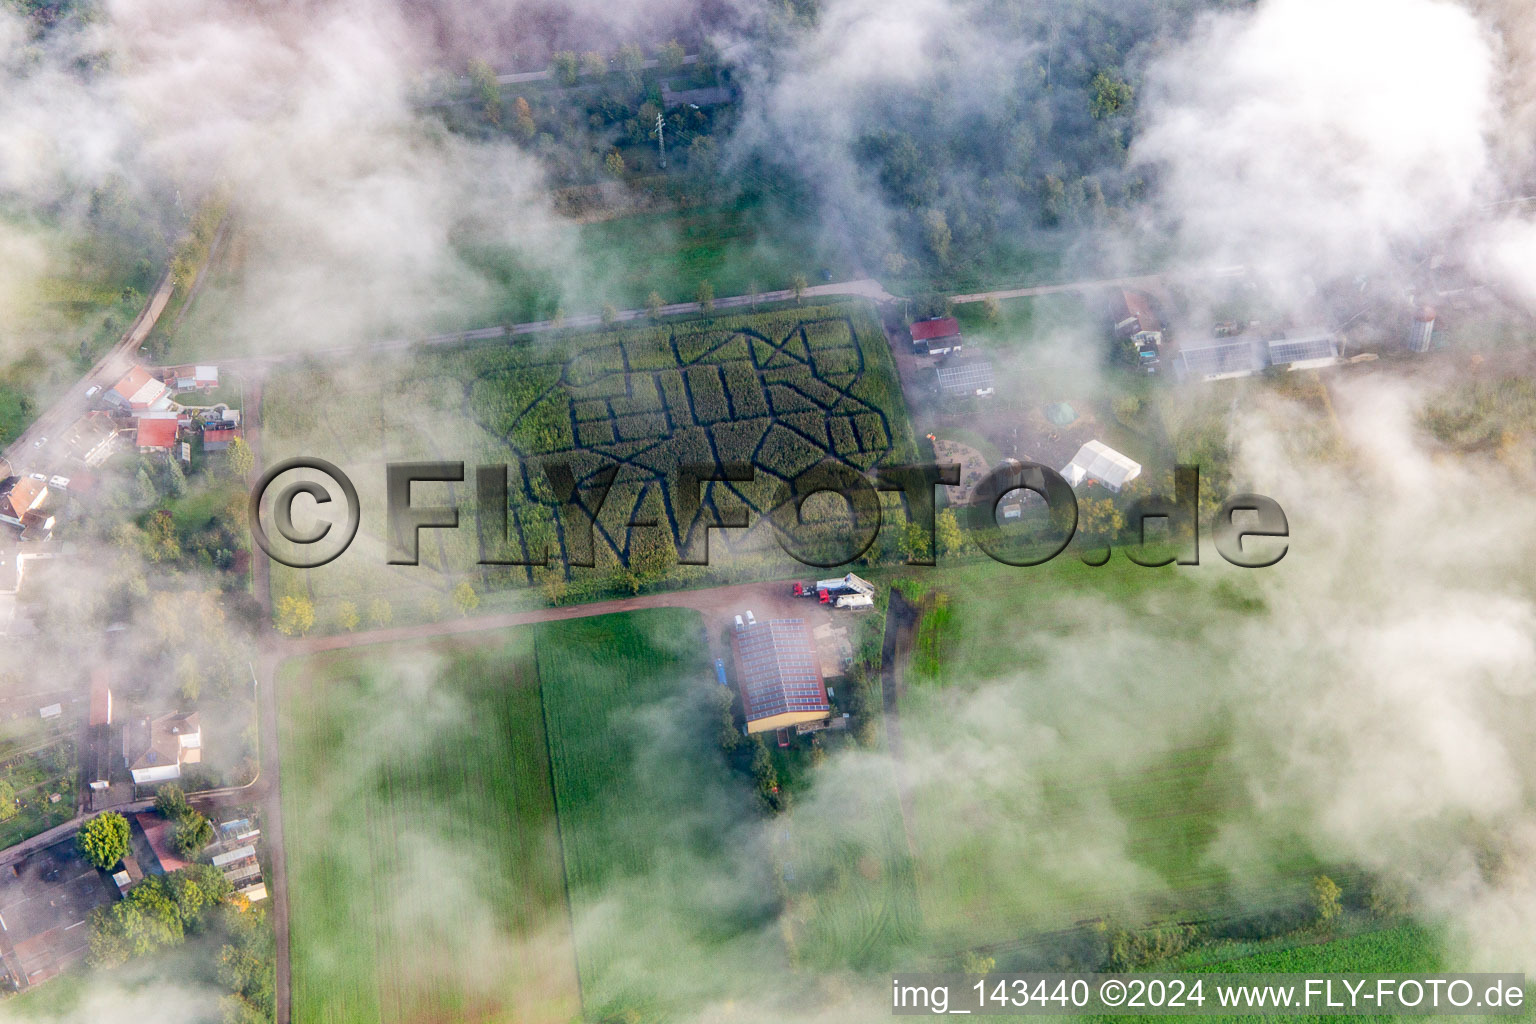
548,73
54,420
864,288
1139,281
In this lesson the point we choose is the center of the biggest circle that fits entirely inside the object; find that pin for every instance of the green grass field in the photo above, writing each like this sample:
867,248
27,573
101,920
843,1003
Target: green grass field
424,869
420,780
671,902
1101,792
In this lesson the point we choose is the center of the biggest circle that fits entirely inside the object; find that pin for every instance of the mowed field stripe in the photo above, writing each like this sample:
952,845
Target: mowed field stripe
422,779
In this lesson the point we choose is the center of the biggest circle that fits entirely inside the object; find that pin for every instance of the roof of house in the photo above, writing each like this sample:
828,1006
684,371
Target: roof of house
779,669
139,387
201,373
220,435
1098,461
926,330
91,429
23,494
156,433
158,831
101,697
1139,305
154,742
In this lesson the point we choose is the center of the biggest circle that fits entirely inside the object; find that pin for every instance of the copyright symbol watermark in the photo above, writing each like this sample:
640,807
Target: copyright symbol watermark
315,544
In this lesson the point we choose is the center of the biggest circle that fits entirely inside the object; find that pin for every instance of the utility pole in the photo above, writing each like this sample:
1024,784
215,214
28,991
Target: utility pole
661,138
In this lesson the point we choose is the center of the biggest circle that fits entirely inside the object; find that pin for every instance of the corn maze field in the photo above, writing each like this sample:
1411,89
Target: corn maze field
781,392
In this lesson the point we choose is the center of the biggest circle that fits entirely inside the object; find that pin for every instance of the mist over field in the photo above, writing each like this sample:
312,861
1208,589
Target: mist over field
1367,698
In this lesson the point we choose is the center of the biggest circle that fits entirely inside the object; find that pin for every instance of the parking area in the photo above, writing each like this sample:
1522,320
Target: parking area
45,901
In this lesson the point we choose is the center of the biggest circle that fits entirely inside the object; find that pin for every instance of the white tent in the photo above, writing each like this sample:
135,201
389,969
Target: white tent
1098,461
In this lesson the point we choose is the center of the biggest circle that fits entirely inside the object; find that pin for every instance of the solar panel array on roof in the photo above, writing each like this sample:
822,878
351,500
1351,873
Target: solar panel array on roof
1295,350
965,378
779,669
1218,357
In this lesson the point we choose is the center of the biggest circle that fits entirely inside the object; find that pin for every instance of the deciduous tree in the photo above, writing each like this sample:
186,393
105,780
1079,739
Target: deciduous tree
464,598
380,612
489,90
239,458
566,66
104,839
295,615
671,56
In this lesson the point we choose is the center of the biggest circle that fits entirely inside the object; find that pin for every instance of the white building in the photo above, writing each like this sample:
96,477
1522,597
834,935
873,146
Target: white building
1099,463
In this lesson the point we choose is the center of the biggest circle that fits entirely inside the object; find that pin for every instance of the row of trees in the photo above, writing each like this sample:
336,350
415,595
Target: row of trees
294,614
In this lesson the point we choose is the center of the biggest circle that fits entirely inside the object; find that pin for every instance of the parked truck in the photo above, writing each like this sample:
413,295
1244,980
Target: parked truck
854,602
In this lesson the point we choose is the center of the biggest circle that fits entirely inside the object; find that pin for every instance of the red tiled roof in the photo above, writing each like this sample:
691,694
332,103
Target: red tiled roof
1138,305
132,381
216,436
25,495
158,831
927,330
157,433
101,697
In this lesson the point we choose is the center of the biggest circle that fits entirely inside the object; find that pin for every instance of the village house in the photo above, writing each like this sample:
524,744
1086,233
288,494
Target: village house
1136,321
191,378
219,435
937,337
156,748
156,434
22,500
139,392
93,438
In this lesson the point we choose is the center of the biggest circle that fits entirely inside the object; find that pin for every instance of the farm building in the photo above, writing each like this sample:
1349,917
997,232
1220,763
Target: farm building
936,337
964,380
156,748
1221,358
780,675
139,391
1305,351
1098,463
156,435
